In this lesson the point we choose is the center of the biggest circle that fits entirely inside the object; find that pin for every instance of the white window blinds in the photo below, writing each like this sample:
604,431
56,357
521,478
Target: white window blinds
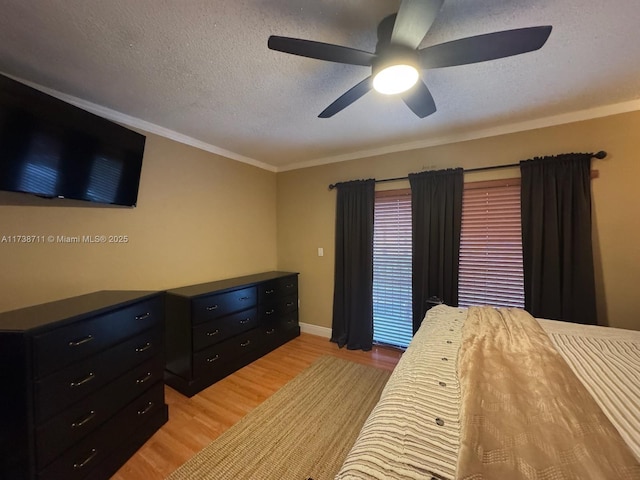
392,306
491,245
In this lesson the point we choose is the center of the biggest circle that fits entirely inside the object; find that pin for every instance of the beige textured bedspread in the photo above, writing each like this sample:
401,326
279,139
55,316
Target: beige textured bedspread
524,413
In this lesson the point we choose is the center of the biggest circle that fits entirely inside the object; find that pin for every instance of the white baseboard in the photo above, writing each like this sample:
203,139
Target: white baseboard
315,330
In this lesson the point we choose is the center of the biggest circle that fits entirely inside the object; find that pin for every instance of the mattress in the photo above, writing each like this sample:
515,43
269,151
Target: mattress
607,361
414,430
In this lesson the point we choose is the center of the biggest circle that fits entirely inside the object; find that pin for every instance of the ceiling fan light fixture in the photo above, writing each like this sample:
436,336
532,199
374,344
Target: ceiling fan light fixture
398,57
395,79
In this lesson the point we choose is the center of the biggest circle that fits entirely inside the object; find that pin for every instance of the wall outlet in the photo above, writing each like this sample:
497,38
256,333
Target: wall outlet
320,252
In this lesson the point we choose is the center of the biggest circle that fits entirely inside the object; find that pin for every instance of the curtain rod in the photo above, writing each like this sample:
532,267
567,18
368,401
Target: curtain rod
599,155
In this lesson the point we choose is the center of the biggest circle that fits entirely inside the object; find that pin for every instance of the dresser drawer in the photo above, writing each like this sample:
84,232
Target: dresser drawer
66,345
270,333
82,418
272,291
222,353
289,320
221,304
59,390
220,329
77,462
278,308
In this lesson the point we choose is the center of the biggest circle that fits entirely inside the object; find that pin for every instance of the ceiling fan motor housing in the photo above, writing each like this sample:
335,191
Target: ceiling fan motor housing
395,55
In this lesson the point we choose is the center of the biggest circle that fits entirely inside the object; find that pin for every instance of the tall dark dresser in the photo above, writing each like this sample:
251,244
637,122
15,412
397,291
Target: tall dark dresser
82,384
213,329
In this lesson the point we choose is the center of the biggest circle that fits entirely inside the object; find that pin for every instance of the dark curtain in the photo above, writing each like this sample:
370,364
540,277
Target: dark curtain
353,288
556,238
436,209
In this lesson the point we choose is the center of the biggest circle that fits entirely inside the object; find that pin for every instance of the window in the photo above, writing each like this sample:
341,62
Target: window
392,305
490,255
491,245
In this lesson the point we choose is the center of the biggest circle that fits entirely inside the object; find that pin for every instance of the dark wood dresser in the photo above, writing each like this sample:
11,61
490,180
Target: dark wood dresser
82,384
213,329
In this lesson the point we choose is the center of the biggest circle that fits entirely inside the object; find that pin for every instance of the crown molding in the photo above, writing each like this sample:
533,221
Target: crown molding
133,122
555,120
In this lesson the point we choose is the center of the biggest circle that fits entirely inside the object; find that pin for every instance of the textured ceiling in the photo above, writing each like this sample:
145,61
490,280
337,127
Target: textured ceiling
201,70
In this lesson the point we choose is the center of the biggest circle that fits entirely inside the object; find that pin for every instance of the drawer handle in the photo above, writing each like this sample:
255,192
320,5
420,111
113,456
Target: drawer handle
77,343
143,348
146,378
246,320
289,285
244,298
215,332
270,312
290,304
146,409
269,332
82,464
269,291
86,379
212,307
142,316
213,359
245,344
87,418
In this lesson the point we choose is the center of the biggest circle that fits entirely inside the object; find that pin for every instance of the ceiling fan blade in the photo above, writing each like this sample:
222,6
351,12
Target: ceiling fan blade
485,47
419,100
413,21
321,51
347,98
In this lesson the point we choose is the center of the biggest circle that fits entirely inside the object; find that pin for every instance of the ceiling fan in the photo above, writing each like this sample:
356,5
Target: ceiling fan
396,62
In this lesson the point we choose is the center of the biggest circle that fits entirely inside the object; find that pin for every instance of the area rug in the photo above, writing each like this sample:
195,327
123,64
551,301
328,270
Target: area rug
303,431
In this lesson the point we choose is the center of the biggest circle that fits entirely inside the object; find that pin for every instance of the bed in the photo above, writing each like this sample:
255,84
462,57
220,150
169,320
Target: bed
458,407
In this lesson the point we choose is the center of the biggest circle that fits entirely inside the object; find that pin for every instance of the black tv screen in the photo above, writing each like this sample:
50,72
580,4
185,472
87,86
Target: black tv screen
53,149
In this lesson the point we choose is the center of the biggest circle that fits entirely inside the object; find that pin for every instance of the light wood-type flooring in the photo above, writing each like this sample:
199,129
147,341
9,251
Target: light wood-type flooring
194,422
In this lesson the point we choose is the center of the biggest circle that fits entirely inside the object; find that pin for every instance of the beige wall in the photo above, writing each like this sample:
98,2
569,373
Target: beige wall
203,217
306,208
200,217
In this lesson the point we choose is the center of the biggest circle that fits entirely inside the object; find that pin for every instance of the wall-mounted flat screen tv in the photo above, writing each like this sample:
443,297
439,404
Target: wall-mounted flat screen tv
53,149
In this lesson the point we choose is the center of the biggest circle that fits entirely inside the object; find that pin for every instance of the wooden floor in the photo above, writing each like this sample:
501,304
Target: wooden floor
194,422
